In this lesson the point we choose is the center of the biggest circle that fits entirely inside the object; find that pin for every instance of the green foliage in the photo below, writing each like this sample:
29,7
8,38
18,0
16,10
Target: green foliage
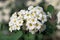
50,29
29,36
14,36
50,9
39,36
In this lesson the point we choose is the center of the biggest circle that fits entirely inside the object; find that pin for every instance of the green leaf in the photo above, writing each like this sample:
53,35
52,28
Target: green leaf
39,36
16,36
2,36
26,37
50,28
50,9
29,36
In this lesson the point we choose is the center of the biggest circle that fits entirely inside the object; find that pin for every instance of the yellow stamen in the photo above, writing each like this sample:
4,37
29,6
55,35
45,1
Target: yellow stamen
30,24
32,20
27,14
36,24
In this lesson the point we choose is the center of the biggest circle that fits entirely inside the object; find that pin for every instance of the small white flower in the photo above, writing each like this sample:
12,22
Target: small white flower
17,27
39,9
39,16
19,22
27,15
20,15
33,13
44,18
33,31
22,12
30,7
32,20
13,16
11,23
49,15
30,26
38,25
11,28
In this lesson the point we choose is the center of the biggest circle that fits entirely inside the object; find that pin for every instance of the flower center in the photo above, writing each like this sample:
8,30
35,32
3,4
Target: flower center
14,20
30,24
32,20
36,24
27,14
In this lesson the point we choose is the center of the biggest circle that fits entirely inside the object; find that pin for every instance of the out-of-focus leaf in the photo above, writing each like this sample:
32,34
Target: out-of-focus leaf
16,36
29,37
2,36
50,29
39,36
50,9
26,37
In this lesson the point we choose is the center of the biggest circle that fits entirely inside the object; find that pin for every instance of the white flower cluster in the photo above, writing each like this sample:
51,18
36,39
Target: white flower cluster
35,17
15,22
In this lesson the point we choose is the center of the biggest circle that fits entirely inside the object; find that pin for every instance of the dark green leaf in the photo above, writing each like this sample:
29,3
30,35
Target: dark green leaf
29,37
39,36
50,9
